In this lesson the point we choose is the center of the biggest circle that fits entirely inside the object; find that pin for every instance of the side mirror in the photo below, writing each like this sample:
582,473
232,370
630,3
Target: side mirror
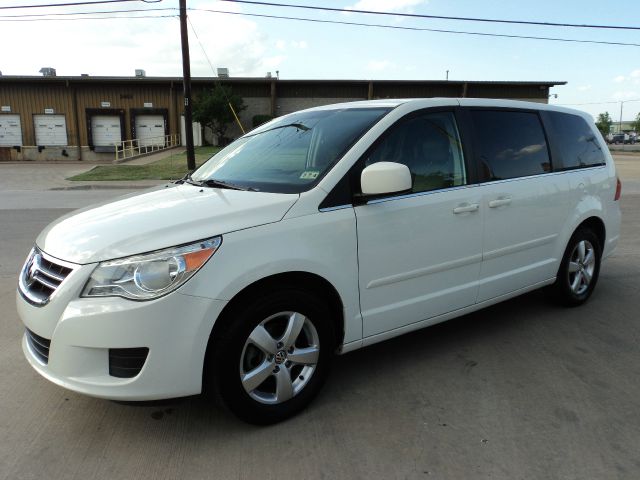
385,177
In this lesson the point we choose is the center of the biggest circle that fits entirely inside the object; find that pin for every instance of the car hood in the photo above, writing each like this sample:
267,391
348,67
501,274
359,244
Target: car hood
158,218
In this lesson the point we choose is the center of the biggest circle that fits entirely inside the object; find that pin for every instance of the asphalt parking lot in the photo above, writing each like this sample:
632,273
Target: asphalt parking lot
521,390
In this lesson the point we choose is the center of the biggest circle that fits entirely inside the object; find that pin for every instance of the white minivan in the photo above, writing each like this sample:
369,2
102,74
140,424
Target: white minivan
318,233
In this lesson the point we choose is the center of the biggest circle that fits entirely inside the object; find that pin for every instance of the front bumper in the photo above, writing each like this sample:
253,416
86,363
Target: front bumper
174,328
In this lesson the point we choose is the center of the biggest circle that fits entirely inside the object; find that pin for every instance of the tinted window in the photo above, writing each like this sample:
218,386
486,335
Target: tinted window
510,144
430,146
290,154
575,141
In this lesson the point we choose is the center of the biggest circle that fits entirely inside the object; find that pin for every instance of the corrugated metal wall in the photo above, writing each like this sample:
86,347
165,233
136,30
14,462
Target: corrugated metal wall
124,97
29,100
30,96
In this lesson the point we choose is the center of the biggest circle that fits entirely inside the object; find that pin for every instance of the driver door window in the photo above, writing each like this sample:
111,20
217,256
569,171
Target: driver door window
430,146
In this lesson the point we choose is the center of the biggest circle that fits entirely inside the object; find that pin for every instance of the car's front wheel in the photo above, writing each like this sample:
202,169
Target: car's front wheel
273,356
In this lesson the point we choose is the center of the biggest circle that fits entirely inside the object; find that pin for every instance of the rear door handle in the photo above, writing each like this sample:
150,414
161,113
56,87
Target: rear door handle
499,202
466,208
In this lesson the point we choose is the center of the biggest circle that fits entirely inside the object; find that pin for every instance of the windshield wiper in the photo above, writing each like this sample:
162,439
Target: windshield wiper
187,179
222,184
212,183
299,126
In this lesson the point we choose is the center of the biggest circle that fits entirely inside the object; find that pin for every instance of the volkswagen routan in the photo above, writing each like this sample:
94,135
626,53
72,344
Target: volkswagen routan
316,234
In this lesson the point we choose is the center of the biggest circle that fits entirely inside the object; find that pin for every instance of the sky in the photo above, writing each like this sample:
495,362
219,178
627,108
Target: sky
599,77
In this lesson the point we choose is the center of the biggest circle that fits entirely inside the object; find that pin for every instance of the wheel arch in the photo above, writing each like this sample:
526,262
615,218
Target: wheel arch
299,279
596,225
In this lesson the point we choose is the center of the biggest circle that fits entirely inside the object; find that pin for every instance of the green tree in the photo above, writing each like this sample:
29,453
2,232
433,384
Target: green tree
636,123
604,123
211,109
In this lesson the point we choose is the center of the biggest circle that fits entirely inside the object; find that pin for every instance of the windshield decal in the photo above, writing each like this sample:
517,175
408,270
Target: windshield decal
309,175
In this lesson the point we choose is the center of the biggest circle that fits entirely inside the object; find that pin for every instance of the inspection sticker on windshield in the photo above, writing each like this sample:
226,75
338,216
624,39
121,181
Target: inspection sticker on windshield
309,175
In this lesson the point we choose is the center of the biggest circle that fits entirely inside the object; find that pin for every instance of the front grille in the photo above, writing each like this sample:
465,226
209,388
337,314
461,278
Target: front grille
39,346
41,276
127,362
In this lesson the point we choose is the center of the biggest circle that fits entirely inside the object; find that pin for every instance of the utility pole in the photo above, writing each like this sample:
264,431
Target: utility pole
620,124
186,74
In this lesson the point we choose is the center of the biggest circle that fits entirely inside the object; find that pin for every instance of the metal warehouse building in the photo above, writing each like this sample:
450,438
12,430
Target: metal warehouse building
85,118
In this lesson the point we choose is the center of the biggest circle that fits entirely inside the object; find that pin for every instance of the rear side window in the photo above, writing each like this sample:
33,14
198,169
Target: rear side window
575,141
510,144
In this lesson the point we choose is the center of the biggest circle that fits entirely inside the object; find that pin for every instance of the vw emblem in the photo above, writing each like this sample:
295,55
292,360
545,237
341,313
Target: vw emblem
281,356
32,269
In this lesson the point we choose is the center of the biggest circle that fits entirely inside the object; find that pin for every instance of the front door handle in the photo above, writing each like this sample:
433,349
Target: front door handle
499,202
466,208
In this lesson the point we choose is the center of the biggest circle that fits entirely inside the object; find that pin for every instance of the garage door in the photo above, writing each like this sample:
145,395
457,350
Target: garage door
50,129
10,131
150,130
105,130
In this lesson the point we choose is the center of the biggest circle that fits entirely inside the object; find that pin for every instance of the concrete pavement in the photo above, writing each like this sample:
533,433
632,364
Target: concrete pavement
521,390
40,185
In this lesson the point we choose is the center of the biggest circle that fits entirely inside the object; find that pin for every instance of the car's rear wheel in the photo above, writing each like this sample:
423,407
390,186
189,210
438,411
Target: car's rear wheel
579,270
273,357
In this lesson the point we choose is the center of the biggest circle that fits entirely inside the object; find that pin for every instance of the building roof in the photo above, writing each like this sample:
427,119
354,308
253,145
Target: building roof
151,80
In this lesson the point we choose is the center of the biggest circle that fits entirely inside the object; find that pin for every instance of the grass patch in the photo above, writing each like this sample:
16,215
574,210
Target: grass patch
170,168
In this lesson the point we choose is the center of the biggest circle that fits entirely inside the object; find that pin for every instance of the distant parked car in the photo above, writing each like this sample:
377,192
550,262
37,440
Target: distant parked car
620,138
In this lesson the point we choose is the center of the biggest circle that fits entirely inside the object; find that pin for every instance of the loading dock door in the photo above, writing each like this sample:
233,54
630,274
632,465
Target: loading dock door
51,130
10,131
150,130
105,130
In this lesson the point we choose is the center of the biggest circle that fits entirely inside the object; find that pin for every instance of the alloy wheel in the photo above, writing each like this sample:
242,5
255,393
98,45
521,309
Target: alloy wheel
582,264
279,357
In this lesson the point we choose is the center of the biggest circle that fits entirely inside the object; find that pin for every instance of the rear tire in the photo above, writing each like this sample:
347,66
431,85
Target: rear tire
273,356
579,270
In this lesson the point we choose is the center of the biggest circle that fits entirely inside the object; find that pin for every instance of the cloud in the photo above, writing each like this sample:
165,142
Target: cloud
379,65
624,95
635,73
283,44
584,88
620,79
386,5
117,47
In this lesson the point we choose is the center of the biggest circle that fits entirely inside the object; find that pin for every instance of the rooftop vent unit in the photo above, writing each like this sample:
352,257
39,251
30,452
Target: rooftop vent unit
223,72
140,72
48,72
84,74
268,75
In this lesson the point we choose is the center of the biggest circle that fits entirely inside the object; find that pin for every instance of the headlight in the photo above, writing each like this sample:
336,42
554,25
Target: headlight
150,275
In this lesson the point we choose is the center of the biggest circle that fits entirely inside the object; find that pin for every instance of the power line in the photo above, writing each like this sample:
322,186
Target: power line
438,17
419,29
598,103
121,17
216,83
201,46
69,14
73,4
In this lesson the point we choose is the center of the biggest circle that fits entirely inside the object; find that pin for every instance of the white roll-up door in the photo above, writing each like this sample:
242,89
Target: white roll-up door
10,131
105,130
51,130
150,130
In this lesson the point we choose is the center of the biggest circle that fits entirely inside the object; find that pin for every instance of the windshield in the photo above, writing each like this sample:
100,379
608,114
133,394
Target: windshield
290,154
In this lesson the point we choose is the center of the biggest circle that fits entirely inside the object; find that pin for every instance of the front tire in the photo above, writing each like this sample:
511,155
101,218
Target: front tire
274,355
579,270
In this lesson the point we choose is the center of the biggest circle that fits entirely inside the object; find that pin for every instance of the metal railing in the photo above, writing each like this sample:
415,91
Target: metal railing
133,148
